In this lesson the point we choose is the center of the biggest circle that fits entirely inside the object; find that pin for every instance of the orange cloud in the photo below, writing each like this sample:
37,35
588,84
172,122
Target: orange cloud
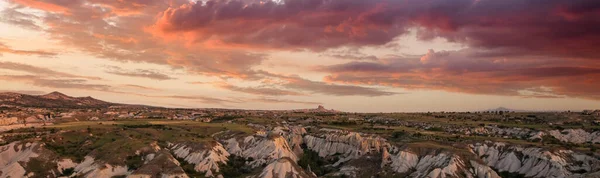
6,49
43,5
468,71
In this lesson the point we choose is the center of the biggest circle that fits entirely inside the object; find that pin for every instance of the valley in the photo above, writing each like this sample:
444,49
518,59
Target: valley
143,141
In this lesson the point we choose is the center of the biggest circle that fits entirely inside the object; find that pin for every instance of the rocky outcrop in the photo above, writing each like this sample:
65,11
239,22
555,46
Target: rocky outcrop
161,164
350,145
294,136
441,165
515,132
578,136
283,167
64,164
14,156
482,170
401,162
91,168
535,162
263,150
205,157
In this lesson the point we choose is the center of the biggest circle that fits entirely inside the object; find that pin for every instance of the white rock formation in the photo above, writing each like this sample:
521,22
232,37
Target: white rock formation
283,168
161,164
266,149
482,170
575,136
401,162
206,158
13,154
535,162
90,168
65,164
351,145
440,165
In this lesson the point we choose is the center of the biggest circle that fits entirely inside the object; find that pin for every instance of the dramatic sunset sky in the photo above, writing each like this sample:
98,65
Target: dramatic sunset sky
350,55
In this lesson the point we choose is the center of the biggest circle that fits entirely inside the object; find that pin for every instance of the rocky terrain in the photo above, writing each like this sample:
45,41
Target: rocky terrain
348,153
160,142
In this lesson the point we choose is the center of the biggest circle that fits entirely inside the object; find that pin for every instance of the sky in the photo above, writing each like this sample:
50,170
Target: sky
349,55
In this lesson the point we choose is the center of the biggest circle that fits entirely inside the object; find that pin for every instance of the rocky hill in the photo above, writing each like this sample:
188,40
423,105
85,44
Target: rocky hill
51,100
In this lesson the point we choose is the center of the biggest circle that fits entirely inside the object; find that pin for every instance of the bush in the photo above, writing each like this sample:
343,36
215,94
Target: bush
67,172
235,167
134,162
435,129
398,134
505,174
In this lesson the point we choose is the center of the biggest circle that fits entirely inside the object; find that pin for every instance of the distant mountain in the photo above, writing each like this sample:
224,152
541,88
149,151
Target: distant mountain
505,110
52,100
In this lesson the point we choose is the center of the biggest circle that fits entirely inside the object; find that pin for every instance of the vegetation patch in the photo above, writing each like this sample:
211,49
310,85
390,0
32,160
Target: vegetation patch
317,164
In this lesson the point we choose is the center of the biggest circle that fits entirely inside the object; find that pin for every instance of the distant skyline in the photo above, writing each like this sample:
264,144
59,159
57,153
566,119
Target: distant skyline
349,55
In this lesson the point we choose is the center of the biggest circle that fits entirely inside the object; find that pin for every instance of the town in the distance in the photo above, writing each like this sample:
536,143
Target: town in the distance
56,135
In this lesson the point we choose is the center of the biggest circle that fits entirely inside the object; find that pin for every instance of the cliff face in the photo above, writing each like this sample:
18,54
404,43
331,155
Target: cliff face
206,158
263,150
283,168
350,145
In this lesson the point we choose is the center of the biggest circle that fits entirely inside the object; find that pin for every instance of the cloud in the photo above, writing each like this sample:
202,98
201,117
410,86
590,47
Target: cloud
469,71
41,71
274,100
509,45
142,73
69,7
522,26
295,82
116,30
141,87
349,54
204,99
55,6
291,24
6,49
56,83
28,92
198,83
11,15
258,90
333,89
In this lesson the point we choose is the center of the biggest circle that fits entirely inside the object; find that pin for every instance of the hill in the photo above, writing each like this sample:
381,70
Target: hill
52,100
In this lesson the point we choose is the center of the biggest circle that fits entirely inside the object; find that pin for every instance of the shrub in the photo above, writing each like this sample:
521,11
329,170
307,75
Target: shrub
235,167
